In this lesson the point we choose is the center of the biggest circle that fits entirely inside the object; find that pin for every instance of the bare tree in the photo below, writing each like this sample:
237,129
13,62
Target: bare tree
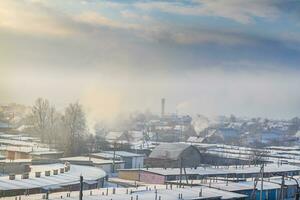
127,136
258,156
40,117
54,126
45,120
75,127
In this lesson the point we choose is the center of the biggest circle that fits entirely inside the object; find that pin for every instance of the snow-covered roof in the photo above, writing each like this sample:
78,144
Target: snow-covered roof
113,135
6,135
23,127
16,161
194,139
33,150
170,151
18,142
17,149
125,154
285,148
149,193
244,185
96,161
136,135
67,178
105,155
46,152
278,180
222,171
21,137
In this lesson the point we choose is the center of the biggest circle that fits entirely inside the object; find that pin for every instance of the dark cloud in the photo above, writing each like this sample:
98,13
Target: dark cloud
289,7
212,67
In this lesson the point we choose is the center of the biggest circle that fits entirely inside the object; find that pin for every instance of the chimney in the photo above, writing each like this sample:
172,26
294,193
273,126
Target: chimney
12,176
55,171
163,107
67,166
25,176
47,173
37,174
62,170
27,168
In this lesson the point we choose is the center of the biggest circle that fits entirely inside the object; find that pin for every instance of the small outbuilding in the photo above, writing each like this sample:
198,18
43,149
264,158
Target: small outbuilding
132,160
168,155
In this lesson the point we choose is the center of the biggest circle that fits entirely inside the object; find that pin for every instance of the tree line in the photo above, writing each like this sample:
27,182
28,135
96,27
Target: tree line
65,130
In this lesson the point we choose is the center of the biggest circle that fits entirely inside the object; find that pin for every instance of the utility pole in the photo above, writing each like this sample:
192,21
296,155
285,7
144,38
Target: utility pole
181,132
282,187
262,182
180,177
186,177
81,188
114,158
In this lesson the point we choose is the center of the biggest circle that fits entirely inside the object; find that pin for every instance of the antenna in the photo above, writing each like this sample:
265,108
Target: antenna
163,101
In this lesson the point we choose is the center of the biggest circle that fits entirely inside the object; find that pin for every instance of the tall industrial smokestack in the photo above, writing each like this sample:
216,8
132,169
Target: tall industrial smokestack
163,107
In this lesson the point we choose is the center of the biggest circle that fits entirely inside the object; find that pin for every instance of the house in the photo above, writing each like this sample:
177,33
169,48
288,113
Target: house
132,160
174,155
124,136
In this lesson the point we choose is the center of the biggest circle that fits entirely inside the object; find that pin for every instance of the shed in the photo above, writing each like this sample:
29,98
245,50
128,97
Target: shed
172,154
270,190
132,160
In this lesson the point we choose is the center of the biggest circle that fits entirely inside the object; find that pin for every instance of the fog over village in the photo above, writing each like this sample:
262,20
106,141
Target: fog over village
149,99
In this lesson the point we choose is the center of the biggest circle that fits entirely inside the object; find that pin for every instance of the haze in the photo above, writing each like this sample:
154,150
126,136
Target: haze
203,56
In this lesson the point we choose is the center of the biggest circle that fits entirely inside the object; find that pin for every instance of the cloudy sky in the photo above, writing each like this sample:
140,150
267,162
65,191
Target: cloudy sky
204,56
